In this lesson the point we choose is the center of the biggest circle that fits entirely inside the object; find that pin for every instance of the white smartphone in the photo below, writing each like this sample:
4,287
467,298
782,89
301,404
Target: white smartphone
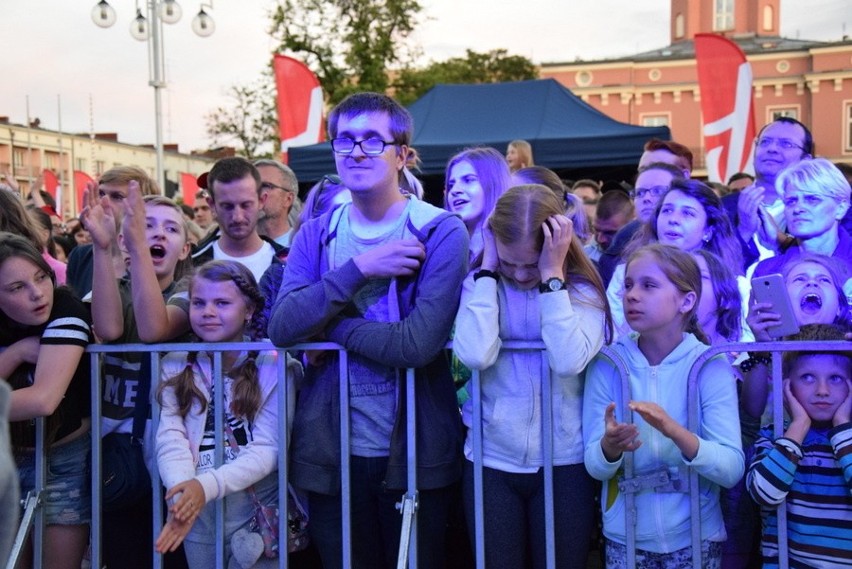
771,289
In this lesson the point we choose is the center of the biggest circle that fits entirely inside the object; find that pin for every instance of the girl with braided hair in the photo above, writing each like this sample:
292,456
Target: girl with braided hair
225,305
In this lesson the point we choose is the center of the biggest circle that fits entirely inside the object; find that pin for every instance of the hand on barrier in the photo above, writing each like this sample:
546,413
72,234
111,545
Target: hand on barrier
190,502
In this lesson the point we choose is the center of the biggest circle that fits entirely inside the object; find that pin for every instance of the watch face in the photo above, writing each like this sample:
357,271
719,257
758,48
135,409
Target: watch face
554,284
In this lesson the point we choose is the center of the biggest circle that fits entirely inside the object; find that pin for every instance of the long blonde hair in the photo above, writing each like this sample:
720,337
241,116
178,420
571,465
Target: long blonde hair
519,215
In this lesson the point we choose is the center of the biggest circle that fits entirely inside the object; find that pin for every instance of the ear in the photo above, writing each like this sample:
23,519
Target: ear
401,157
184,253
688,302
842,208
262,198
708,235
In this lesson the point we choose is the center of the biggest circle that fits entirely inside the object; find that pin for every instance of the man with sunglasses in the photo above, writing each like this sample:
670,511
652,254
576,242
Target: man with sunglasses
757,212
380,275
281,187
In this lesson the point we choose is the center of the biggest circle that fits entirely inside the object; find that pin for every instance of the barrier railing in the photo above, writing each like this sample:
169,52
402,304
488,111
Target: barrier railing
408,504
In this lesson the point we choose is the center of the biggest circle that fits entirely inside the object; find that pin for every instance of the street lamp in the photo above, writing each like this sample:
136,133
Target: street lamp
150,29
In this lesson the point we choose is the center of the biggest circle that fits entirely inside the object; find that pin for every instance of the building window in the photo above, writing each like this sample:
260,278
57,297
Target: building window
776,113
18,157
723,13
679,26
847,146
768,19
50,161
655,120
80,164
100,167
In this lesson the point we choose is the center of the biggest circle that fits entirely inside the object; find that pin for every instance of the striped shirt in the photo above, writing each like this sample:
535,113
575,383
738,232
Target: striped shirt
815,479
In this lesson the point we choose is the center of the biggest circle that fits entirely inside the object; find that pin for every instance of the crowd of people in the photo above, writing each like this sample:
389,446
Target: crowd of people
658,268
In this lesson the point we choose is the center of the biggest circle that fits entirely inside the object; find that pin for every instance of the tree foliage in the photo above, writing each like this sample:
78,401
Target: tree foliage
491,67
349,44
251,122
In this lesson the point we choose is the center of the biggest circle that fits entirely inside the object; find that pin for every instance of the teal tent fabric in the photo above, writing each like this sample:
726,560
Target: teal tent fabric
564,131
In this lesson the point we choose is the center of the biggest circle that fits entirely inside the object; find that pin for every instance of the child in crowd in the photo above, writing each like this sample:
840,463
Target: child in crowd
808,471
476,178
158,249
816,294
661,290
224,306
534,283
44,331
689,216
719,307
519,155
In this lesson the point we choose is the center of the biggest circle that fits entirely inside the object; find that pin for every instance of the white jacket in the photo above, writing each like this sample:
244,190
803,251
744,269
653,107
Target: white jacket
179,439
572,328
663,522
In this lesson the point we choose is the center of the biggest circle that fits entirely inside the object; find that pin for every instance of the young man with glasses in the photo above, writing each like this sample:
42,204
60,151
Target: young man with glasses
757,211
380,275
281,187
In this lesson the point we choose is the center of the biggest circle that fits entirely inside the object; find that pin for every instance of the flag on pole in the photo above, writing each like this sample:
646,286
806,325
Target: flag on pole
725,80
51,182
188,188
80,181
299,103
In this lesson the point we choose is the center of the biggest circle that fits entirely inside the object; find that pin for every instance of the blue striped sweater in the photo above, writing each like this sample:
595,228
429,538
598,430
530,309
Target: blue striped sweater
815,478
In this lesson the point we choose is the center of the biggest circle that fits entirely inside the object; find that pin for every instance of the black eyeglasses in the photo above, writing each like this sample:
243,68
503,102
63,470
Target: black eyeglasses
655,191
270,186
369,146
783,143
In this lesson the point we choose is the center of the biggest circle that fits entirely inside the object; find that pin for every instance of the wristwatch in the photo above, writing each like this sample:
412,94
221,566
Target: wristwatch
552,285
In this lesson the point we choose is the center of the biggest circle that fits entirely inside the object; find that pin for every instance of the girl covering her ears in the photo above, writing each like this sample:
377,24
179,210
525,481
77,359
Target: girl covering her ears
535,283
661,290
224,303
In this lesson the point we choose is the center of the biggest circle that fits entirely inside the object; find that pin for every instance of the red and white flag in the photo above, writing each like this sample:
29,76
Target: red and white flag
725,80
300,103
188,188
80,181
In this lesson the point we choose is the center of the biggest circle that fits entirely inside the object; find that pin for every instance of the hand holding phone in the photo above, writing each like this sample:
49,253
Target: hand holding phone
771,290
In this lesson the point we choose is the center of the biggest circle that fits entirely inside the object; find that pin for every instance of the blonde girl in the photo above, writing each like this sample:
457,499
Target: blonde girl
662,286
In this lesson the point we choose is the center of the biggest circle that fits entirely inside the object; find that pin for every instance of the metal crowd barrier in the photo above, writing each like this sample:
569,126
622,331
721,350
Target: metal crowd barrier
776,349
408,506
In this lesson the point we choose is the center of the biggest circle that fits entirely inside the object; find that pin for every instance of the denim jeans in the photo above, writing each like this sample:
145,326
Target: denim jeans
514,516
376,523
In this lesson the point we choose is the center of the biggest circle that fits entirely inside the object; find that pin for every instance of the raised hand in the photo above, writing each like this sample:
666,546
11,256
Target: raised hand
490,259
618,437
558,232
399,258
133,224
98,217
747,207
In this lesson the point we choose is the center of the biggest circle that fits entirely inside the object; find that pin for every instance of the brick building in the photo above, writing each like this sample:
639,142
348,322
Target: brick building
808,80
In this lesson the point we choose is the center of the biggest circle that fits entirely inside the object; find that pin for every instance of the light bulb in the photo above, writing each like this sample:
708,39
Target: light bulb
170,11
103,15
139,27
202,24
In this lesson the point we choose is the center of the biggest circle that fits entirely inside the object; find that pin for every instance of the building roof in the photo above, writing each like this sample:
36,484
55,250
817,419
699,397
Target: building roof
750,44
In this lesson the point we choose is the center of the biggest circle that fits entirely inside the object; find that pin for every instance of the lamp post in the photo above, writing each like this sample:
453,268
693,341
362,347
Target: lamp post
150,29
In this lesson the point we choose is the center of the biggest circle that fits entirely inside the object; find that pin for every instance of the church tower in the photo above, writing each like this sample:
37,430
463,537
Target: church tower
732,18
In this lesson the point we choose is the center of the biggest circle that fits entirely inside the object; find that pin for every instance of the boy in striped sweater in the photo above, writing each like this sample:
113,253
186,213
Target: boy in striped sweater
811,465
